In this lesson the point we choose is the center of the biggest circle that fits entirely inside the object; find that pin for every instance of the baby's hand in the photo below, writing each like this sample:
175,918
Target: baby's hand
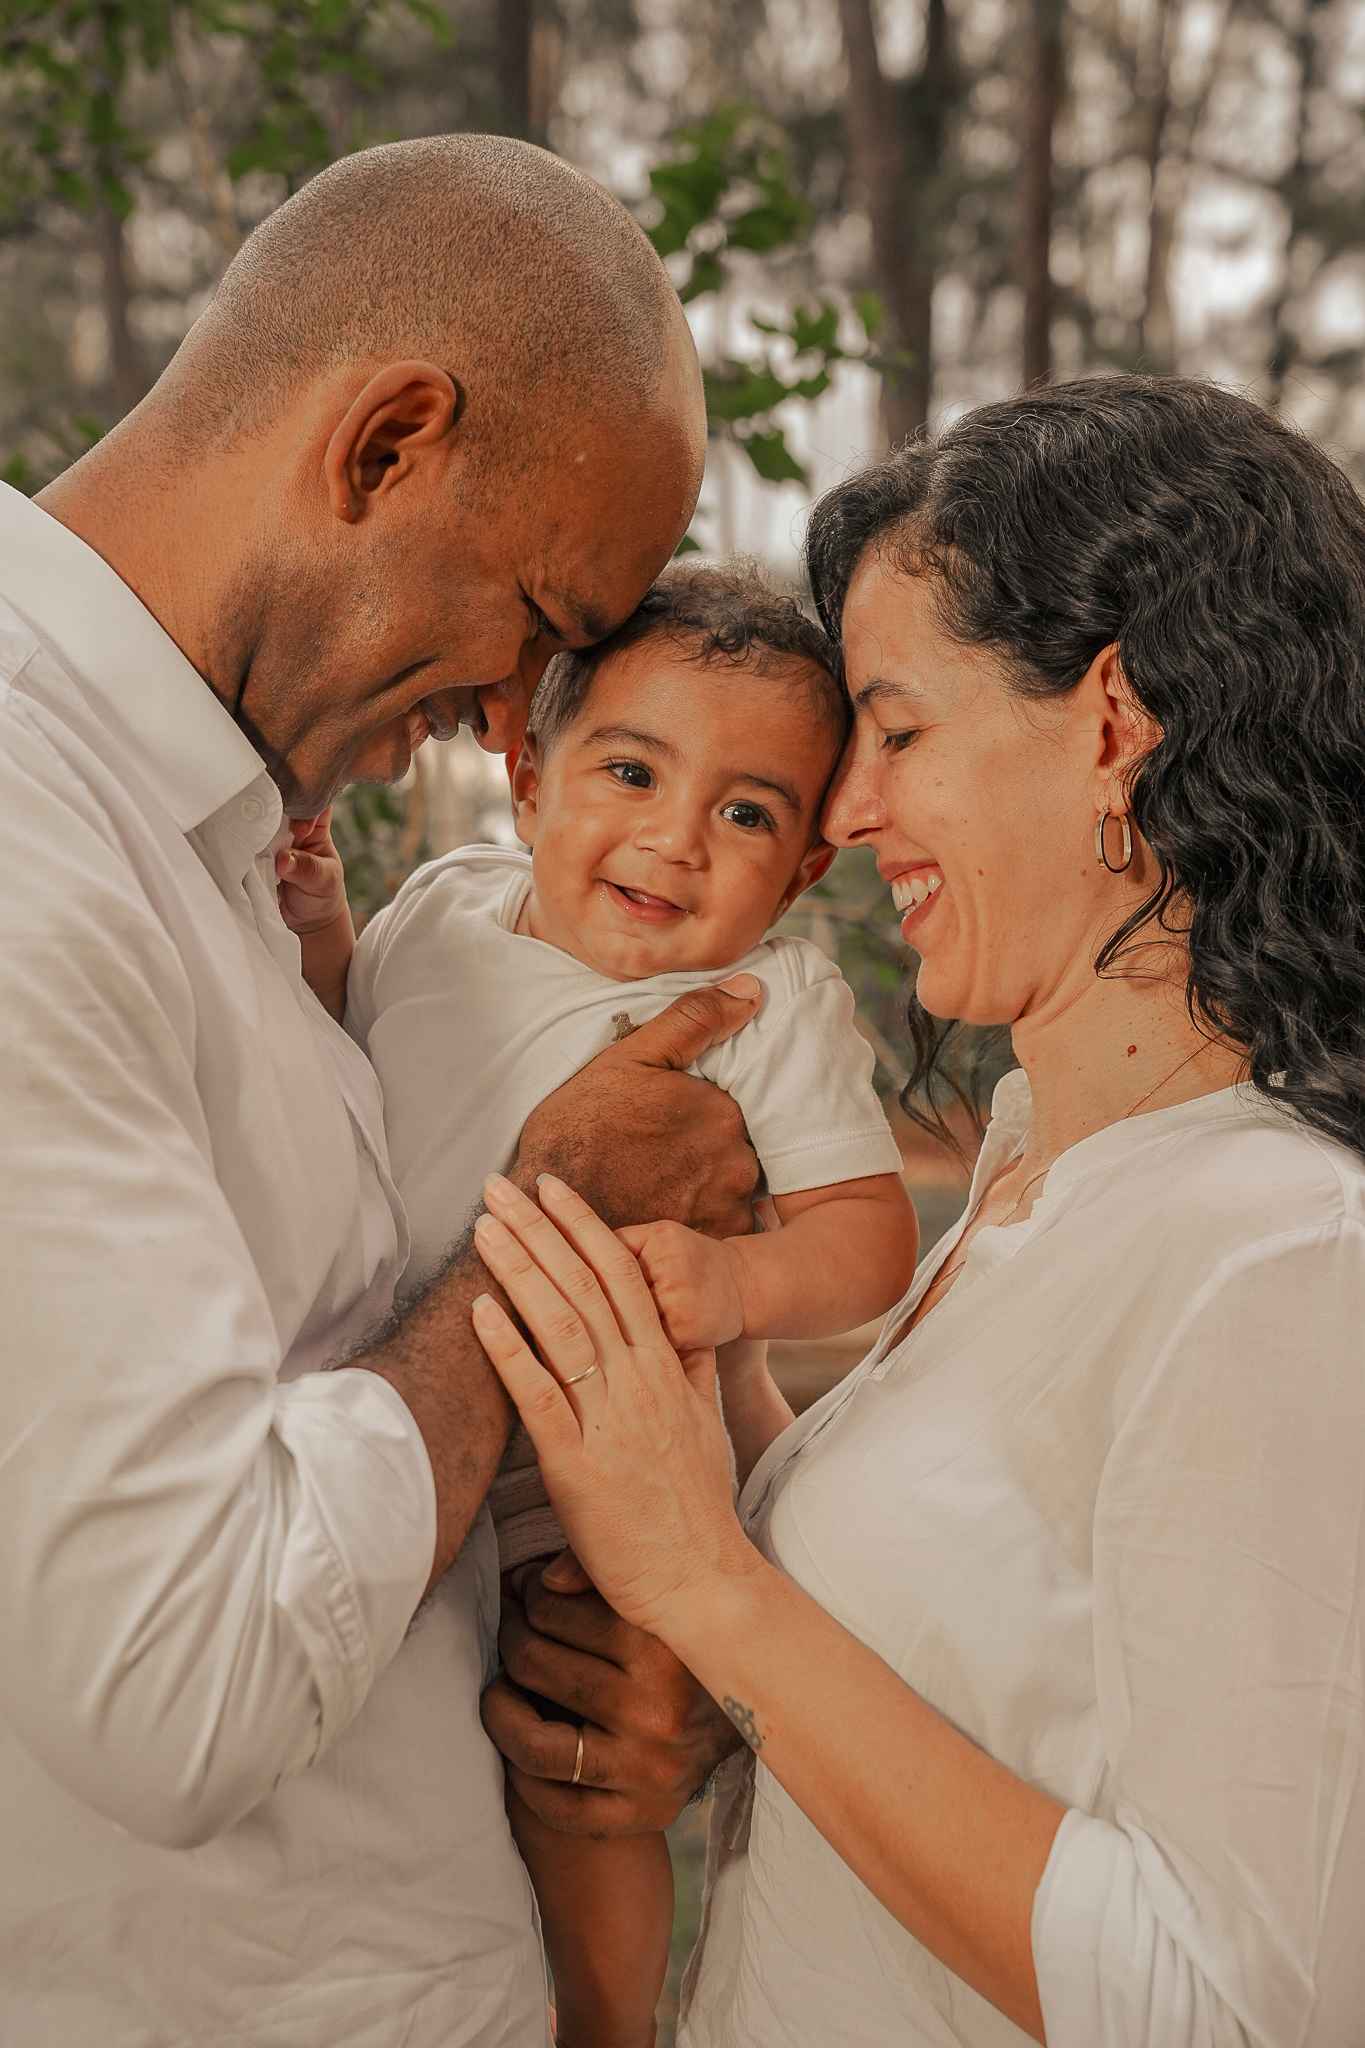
309,876
694,1280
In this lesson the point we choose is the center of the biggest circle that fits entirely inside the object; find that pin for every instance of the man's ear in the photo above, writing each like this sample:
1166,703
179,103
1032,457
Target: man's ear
401,415
815,862
523,773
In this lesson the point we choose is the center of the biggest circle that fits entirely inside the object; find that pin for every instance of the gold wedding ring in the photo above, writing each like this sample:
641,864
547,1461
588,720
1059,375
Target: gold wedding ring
585,1374
578,1759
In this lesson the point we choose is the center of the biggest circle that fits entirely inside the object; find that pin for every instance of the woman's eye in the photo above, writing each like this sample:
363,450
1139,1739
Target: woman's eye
633,774
897,742
752,817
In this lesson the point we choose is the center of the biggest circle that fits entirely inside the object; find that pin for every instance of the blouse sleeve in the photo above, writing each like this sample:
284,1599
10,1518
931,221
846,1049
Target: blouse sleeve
1225,1901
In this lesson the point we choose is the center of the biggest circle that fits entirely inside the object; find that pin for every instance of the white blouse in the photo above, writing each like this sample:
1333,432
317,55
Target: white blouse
1105,1509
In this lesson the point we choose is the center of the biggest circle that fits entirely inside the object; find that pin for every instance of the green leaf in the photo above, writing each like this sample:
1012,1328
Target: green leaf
772,458
738,391
871,312
708,275
815,329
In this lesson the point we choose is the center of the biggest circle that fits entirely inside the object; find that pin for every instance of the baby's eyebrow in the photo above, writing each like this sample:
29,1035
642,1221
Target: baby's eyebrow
783,790
631,736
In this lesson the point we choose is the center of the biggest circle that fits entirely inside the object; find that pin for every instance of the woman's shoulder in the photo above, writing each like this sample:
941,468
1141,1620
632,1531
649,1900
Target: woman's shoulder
1245,1163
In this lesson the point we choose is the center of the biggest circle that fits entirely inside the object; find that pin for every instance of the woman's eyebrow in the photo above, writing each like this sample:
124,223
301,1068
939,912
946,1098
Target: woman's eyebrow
882,686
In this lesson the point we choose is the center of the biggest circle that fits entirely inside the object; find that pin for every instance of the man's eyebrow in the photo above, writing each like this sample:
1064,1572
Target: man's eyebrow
882,686
583,617
631,736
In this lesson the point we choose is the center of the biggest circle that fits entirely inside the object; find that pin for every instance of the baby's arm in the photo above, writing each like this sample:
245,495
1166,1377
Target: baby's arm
607,1910
312,890
844,1254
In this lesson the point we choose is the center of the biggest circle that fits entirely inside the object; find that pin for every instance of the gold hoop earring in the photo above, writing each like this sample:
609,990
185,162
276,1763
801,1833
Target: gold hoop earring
1101,848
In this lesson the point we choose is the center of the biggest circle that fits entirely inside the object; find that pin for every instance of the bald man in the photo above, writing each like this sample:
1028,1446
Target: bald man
442,418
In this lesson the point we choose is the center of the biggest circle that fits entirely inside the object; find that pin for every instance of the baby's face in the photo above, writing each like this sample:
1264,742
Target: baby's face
675,819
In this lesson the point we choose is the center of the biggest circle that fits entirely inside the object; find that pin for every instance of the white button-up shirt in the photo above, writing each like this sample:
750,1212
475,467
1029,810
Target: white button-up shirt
235,1790
1105,1509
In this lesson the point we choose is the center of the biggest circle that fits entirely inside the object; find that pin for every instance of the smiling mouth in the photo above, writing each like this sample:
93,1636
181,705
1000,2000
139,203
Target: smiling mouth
639,903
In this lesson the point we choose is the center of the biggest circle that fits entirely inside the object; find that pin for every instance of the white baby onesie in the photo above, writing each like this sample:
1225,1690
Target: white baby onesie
471,1024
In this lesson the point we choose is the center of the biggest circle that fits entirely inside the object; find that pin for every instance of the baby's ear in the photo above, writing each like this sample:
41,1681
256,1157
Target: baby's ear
814,863
523,773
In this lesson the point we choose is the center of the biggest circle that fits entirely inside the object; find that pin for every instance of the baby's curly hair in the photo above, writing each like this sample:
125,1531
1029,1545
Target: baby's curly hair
713,615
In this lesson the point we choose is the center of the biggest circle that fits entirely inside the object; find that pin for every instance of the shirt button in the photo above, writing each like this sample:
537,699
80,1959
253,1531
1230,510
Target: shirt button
253,809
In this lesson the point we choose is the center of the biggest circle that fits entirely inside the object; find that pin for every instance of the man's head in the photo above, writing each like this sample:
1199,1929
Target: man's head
671,780
442,418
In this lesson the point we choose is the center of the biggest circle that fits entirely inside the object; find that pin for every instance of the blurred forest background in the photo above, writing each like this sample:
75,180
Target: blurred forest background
878,214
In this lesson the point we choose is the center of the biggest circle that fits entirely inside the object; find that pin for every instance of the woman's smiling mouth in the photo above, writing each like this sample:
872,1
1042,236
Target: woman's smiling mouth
912,893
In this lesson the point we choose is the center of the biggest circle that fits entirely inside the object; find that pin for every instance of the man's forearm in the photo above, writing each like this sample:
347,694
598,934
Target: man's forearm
432,1358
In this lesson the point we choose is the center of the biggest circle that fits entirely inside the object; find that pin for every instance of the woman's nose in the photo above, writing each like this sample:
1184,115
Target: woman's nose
854,806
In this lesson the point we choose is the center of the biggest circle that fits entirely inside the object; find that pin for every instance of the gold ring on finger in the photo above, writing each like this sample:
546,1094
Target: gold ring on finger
574,1378
578,1760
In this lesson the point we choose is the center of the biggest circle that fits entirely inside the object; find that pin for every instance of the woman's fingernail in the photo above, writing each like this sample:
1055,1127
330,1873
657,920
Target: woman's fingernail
482,1305
483,1224
498,1184
550,1184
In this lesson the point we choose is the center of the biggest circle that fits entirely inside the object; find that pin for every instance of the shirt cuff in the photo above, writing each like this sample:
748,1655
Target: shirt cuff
362,1542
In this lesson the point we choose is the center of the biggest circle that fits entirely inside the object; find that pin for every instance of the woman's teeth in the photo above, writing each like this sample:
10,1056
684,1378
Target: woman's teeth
911,890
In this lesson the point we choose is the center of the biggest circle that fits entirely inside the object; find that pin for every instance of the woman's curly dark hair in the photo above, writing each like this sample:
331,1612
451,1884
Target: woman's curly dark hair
1224,555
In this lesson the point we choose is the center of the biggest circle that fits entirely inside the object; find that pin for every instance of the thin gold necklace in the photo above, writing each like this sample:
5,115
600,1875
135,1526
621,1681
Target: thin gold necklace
950,1272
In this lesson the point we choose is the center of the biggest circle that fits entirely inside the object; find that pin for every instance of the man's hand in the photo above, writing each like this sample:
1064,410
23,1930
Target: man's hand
651,1736
640,1138
696,1282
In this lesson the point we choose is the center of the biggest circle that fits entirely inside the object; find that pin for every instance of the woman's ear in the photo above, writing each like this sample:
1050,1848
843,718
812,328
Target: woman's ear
815,862
523,773
1122,732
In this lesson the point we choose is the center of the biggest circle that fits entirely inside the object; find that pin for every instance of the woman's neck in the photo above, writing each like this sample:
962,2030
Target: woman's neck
1118,1048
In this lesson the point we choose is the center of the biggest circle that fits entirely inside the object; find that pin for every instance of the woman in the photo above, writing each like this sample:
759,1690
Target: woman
1045,1627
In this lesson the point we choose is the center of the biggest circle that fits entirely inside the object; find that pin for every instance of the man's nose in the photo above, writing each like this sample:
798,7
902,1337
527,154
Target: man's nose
504,706
854,807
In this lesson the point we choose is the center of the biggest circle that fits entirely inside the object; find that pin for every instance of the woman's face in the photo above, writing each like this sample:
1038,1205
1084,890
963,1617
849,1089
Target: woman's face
980,806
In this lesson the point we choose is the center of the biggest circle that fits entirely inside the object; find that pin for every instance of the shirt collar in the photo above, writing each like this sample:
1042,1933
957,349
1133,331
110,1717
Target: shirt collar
193,755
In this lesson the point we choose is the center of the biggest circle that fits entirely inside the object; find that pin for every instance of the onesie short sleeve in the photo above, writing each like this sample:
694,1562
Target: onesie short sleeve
802,1074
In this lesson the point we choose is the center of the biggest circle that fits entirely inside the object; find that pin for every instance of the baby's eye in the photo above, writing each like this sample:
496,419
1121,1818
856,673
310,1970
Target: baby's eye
752,817
634,774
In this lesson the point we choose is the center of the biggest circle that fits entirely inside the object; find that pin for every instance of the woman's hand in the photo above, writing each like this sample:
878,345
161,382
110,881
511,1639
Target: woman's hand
629,1438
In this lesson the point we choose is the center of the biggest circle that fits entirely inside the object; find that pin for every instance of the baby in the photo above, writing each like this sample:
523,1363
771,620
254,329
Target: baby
669,791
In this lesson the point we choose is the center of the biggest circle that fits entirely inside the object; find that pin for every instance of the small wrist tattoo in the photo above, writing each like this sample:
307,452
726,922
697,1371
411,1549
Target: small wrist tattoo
743,1718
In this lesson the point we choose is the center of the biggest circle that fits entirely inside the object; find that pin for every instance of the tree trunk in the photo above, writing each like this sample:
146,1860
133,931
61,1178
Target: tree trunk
895,140
1156,324
127,372
1042,102
1295,190
516,21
